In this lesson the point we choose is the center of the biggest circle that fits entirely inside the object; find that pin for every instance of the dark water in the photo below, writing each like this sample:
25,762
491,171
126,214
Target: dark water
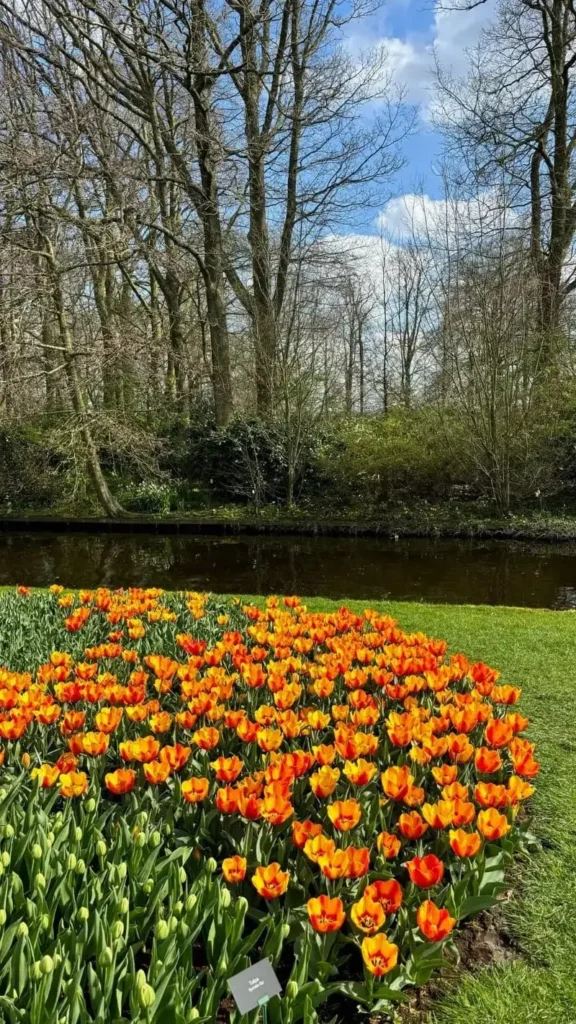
455,571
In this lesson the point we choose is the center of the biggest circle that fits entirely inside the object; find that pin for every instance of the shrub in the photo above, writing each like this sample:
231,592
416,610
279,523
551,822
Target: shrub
402,453
209,784
150,496
29,471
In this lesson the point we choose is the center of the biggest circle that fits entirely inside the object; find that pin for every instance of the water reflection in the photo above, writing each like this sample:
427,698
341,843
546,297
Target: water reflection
475,572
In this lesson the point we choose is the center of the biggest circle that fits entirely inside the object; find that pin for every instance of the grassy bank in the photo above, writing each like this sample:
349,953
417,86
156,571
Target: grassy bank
534,649
415,519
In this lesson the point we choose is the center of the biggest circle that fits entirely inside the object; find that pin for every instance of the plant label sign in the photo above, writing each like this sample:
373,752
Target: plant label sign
256,983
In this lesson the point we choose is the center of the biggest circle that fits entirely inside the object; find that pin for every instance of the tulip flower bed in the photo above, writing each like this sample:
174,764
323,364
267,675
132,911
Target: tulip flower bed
189,784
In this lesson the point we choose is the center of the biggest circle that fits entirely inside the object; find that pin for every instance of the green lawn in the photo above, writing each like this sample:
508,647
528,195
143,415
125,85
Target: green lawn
537,650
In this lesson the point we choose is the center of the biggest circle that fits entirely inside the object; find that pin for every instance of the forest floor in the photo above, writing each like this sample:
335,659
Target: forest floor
409,519
518,966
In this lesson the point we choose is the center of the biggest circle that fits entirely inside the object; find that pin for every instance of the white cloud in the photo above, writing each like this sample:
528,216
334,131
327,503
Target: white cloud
420,216
450,38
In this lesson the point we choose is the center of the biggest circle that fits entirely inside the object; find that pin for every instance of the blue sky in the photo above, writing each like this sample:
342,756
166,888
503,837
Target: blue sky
413,31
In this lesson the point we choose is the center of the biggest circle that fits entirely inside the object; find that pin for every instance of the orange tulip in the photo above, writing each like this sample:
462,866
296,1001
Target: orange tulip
302,831
488,794
487,761
234,869
324,782
498,733
325,914
335,864
359,772
194,790
367,915
73,784
319,846
396,782
120,781
388,845
108,719
357,861
379,955
95,743
518,790
388,893
411,825
207,738
227,800
156,772
464,844
446,774
144,749
175,756
47,775
434,923
276,808
425,871
492,824
344,814
227,769
439,815
464,813
270,881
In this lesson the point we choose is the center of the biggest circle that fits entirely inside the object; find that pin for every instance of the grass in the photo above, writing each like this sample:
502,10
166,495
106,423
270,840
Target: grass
534,649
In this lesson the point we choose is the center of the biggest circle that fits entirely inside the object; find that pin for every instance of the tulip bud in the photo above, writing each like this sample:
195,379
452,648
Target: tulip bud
72,861
83,914
8,831
178,907
183,929
50,838
140,979
148,886
226,898
167,829
124,905
155,840
241,904
46,964
106,956
5,859
36,853
191,901
146,996
140,840
101,848
3,917
162,930
194,1014
117,929
142,818
78,833
182,876
90,805
45,922
291,990
22,930
173,923
285,930
81,867
40,881
36,972
122,869
25,760
211,865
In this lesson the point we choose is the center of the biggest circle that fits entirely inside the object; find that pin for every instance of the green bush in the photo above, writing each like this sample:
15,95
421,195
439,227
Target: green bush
407,453
30,476
150,496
